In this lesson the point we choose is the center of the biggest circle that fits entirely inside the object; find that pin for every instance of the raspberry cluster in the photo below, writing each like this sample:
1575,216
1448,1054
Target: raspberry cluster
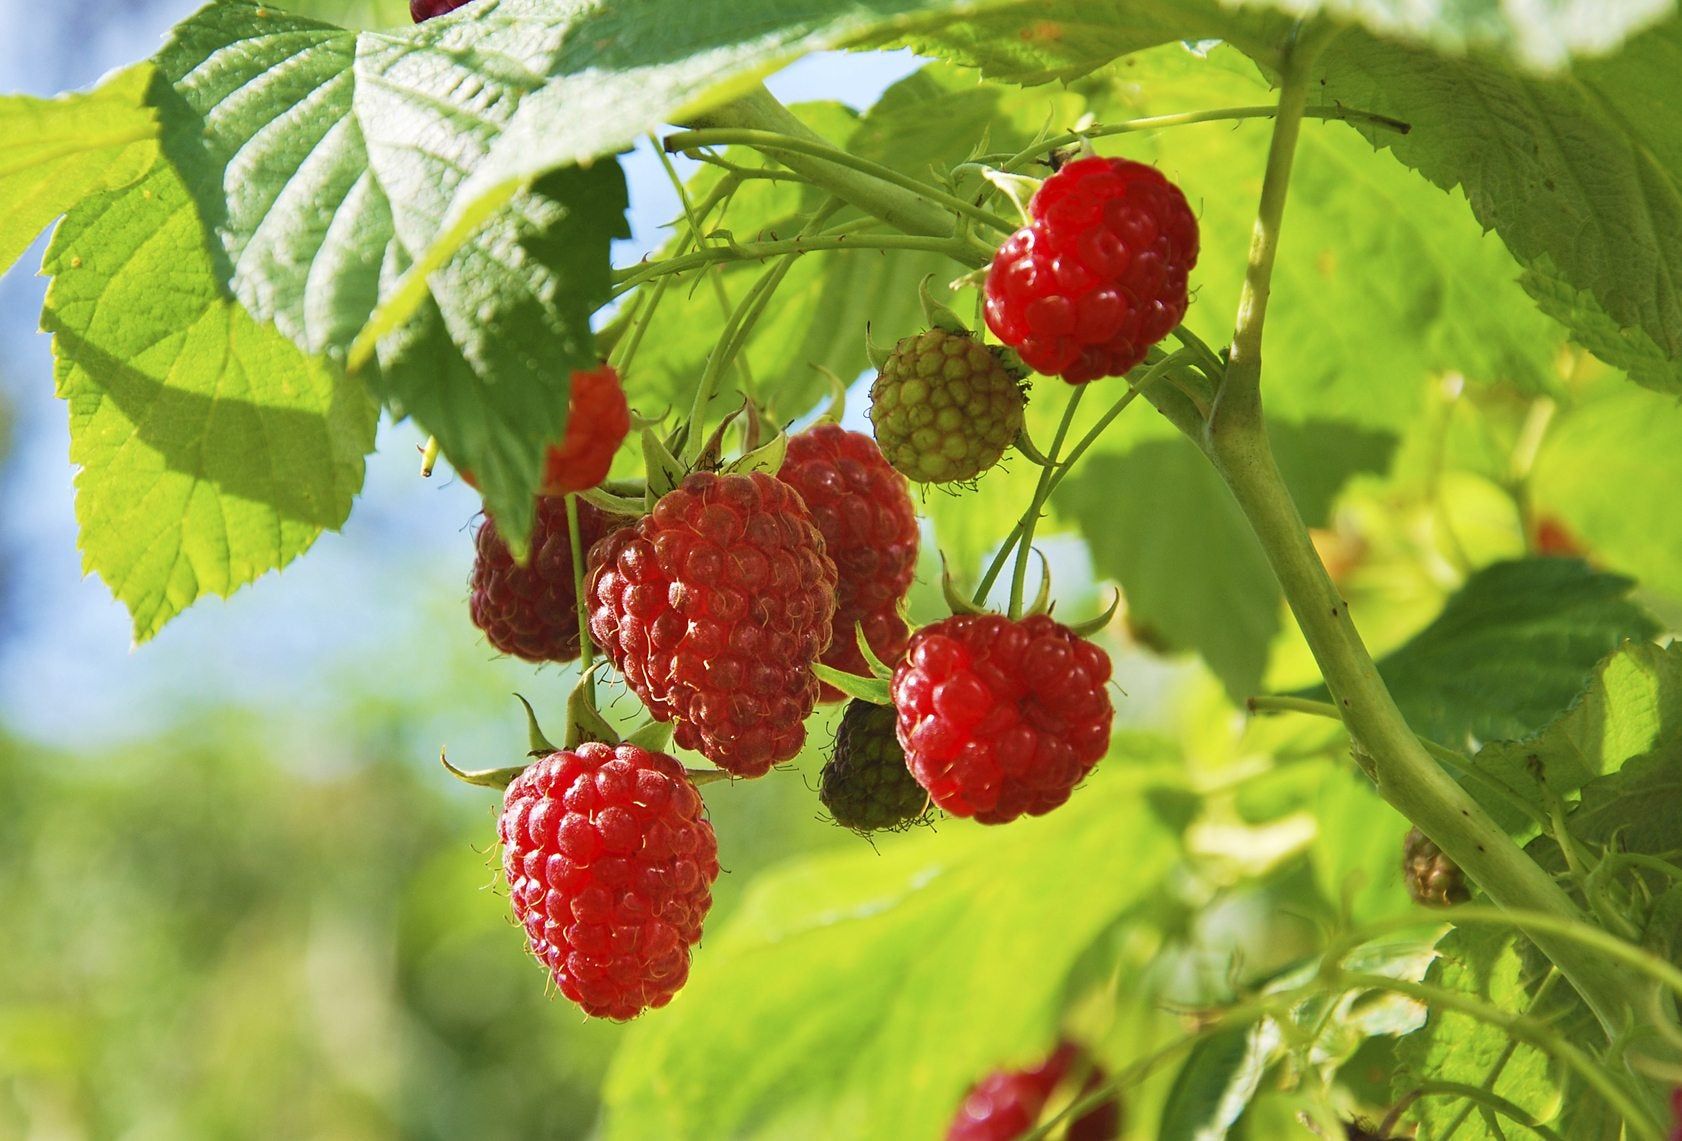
1008,1104
610,865
862,507
531,611
1000,718
1433,879
714,607
1100,274
865,785
945,407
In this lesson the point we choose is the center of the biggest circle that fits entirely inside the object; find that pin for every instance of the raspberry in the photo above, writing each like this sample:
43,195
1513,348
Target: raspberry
609,865
863,509
1554,539
945,407
1676,1113
598,419
1433,879
865,784
424,10
714,607
1008,1104
1099,276
532,611
1000,718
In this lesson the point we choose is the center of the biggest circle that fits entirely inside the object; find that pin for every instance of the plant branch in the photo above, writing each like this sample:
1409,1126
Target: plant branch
838,239
908,210
1187,118
1042,492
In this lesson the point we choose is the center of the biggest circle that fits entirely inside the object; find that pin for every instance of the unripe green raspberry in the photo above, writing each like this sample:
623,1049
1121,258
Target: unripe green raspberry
865,785
945,407
1433,879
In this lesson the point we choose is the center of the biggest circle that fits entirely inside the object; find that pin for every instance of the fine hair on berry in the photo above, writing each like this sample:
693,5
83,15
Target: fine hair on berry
1001,718
714,607
1099,276
531,611
610,864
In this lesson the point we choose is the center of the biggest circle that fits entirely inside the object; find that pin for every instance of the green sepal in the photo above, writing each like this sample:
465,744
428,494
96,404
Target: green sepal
640,422
877,355
873,690
540,744
699,777
1042,598
836,410
1092,625
879,669
768,457
956,600
1025,445
584,721
614,504
656,737
665,471
482,778
712,452
936,312
1019,188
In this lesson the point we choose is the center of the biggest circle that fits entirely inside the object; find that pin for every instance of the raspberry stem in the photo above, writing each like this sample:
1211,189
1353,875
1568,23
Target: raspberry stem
1188,118
585,649
1042,492
776,143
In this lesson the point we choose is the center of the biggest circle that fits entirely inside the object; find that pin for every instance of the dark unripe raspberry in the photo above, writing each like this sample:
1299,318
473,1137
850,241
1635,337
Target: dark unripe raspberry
945,407
1100,274
424,10
610,865
1008,1104
714,607
532,611
1001,718
1432,878
863,509
865,785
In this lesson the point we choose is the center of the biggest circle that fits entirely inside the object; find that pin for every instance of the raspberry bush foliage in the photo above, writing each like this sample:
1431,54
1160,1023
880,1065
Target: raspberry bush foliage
1208,656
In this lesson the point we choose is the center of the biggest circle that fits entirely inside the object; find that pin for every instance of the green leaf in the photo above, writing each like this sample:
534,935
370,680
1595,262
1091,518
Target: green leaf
1220,1076
1579,174
1028,43
326,160
1631,709
1456,1047
211,450
1511,649
59,151
1161,523
868,965
1611,471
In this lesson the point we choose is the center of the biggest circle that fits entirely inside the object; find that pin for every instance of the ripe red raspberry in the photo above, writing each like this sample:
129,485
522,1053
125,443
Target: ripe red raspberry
863,509
1008,1104
1676,1113
945,407
423,10
865,784
598,419
1000,718
714,607
1433,880
532,611
610,865
1099,276
1554,539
